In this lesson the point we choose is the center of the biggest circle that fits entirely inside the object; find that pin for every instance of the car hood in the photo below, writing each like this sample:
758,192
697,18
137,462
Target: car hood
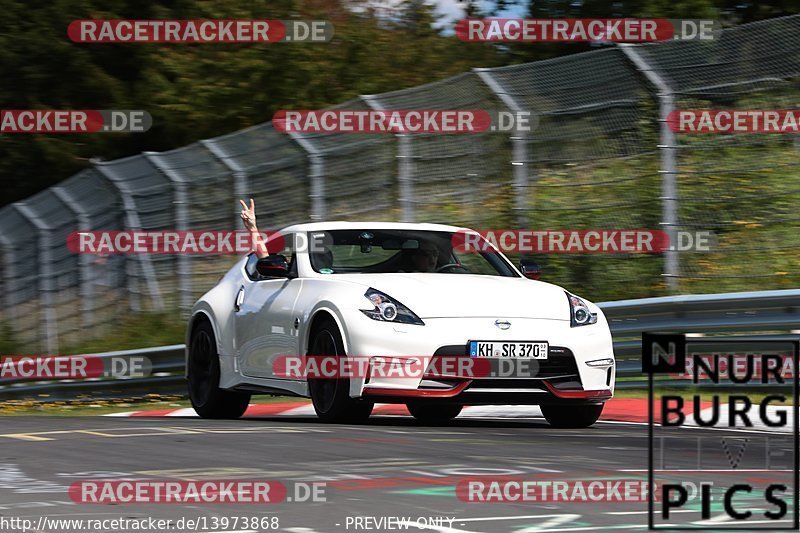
466,295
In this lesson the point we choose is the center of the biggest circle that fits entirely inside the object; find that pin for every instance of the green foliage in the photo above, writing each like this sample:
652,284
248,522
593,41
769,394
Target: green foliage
141,330
8,344
727,12
203,90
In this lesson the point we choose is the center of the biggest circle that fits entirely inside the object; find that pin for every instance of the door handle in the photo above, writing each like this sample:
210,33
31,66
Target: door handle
237,304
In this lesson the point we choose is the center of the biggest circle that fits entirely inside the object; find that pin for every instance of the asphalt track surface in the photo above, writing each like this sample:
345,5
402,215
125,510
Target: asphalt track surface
389,467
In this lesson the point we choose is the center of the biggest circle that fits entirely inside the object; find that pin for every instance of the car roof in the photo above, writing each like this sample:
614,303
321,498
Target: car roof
339,224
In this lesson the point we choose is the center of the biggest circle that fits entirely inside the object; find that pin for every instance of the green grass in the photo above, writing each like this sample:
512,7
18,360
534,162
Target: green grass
89,408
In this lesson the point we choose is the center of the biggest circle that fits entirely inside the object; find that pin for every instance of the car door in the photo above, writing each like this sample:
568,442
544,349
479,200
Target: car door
265,319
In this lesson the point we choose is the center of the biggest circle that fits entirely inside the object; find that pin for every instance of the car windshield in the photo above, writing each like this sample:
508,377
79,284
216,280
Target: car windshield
376,251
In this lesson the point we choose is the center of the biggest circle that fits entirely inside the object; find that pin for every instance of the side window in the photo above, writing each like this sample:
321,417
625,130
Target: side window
289,251
250,266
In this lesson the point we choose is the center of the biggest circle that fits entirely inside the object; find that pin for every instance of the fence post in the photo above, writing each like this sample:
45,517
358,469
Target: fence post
10,276
405,166
133,223
46,277
405,176
319,207
519,147
667,146
240,177
86,286
181,200
241,190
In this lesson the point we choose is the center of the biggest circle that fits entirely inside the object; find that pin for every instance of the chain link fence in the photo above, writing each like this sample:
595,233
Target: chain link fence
600,157
744,188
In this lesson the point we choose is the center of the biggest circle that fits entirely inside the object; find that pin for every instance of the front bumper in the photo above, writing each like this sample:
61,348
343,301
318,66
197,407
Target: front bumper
564,377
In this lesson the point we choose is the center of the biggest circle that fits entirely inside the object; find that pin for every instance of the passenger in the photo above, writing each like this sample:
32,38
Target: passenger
249,219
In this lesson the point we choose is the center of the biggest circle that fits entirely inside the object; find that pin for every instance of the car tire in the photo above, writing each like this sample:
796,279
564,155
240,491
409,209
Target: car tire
203,372
331,397
433,413
572,416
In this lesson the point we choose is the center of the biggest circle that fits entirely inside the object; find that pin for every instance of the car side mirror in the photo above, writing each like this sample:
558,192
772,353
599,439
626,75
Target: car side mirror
530,270
274,266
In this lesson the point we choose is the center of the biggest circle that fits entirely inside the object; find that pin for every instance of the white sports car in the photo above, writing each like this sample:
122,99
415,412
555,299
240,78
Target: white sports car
390,294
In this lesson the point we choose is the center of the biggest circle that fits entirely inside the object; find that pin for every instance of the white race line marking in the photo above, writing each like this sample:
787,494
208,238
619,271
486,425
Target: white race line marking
502,411
563,519
718,519
303,410
188,411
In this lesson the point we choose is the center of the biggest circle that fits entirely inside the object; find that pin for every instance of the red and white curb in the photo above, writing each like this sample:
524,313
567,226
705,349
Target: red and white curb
618,409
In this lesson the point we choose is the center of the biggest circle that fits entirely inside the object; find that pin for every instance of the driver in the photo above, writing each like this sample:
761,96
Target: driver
425,258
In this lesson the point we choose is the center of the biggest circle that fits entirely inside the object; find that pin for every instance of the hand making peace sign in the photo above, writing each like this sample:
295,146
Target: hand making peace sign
249,215
249,219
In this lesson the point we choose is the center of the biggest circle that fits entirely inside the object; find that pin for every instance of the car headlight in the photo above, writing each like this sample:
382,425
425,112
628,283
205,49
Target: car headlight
579,312
387,309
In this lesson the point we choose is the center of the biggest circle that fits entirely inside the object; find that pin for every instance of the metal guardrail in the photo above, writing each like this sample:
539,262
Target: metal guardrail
707,313
166,378
742,312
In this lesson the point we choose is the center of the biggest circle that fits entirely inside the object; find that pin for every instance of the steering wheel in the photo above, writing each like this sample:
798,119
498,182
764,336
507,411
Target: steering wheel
451,265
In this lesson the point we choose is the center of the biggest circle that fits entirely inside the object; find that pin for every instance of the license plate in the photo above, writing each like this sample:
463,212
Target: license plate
513,349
